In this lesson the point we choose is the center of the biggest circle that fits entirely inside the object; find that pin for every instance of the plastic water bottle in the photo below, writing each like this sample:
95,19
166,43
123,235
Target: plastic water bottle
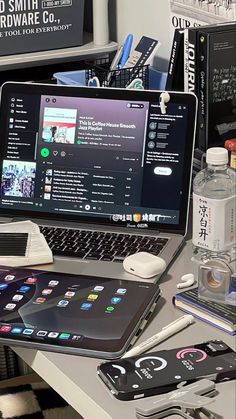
214,208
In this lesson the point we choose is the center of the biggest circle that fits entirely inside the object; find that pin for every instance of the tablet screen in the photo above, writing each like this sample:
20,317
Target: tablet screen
71,311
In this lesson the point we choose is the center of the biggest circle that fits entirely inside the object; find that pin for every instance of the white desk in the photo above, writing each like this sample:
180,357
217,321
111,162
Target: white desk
75,378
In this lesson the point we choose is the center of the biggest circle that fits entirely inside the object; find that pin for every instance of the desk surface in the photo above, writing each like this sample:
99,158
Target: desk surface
75,377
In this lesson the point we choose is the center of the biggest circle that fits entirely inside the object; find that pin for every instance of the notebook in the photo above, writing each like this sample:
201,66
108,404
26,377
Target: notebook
103,172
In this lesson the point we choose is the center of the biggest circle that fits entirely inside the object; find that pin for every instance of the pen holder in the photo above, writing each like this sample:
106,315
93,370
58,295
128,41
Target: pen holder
120,78
151,77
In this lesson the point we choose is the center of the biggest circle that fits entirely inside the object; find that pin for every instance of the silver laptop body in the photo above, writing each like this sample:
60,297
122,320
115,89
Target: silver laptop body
54,138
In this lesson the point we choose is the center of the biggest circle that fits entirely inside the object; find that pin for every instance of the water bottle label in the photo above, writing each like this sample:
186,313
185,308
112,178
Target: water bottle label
213,223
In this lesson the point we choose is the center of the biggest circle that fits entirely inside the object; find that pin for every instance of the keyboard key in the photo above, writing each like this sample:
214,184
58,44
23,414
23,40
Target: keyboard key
70,249
122,255
93,256
155,253
62,252
107,258
162,240
109,254
156,247
68,253
56,247
81,250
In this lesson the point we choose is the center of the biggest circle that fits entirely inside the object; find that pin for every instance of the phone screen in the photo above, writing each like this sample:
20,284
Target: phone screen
162,371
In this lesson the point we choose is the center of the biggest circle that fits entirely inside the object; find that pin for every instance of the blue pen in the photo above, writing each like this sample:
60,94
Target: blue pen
126,50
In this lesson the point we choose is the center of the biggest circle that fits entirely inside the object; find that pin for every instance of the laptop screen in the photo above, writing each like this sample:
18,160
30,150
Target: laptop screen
102,155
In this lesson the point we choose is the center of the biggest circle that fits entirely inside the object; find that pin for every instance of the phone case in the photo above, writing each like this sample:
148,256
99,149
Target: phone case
164,371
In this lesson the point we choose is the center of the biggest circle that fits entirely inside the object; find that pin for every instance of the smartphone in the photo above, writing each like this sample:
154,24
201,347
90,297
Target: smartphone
163,371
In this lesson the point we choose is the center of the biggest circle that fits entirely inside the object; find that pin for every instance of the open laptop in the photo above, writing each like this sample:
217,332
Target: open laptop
102,171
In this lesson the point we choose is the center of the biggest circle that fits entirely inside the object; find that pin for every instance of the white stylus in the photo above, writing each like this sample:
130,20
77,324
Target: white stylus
165,333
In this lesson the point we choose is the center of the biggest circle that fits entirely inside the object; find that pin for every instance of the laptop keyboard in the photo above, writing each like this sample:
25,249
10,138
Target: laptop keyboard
94,245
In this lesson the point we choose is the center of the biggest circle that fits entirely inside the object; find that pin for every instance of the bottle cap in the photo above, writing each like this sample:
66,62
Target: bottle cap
231,144
217,155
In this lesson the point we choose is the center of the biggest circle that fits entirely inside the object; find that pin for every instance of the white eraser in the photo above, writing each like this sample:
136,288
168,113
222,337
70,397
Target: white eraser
144,264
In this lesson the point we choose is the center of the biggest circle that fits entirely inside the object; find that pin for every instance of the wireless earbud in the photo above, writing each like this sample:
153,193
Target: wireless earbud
164,98
186,281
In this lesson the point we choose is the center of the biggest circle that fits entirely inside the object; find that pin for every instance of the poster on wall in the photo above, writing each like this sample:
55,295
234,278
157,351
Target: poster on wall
36,25
185,13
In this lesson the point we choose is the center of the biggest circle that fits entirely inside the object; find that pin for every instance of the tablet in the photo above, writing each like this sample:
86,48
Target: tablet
76,314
